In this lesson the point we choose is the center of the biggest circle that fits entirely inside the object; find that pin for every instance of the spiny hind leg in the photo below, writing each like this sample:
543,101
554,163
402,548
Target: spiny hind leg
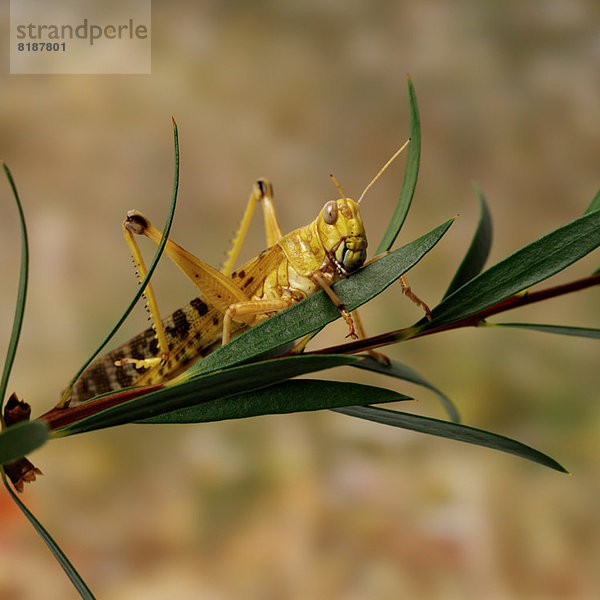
272,226
216,289
262,191
151,304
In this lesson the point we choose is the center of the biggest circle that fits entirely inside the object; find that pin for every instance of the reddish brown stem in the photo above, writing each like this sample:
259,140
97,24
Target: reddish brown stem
473,320
57,418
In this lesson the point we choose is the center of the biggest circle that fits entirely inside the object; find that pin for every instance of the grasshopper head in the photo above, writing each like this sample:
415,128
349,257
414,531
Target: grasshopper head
342,234
341,230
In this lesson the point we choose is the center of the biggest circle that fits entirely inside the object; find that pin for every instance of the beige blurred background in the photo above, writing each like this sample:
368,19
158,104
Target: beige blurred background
314,506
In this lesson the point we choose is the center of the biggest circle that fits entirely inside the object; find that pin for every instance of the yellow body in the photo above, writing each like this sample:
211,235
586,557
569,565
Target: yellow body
293,267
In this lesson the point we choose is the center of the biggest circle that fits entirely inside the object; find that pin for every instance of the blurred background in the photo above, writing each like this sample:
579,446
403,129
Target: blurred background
319,505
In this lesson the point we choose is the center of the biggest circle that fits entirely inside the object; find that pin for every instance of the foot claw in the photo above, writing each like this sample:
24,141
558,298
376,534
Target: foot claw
144,363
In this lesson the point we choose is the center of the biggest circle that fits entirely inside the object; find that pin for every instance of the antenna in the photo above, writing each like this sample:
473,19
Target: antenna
338,186
387,164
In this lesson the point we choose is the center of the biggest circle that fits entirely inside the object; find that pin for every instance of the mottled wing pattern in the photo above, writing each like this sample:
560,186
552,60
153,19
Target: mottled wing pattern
192,332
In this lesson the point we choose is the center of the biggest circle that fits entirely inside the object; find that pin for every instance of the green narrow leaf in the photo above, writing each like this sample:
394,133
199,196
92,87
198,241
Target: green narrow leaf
317,310
404,372
535,262
594,204
60,556
21,439
21,293
411,173
453,431
478,251
295,395
204,388
153,264
559,329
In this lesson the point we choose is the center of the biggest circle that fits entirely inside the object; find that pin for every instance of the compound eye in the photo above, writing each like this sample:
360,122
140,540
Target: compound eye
330,212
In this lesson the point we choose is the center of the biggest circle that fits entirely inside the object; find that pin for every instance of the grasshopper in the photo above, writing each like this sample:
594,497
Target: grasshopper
292,267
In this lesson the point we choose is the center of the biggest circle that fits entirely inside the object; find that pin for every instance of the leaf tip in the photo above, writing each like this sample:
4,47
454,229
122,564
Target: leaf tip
553,464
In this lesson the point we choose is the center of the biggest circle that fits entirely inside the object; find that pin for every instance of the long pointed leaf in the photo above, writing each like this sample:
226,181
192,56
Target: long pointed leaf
296,395
21,293
453,431
406,373
151,269
317,310
205,388
535,262
60,556
478,251
586,332
594,204
411,173
25,437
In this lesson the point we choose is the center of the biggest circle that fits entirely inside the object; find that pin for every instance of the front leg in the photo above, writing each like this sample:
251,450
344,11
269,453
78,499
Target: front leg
324,285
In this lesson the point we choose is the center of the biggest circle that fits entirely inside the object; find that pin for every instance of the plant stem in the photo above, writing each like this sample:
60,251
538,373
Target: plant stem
415,331
58,418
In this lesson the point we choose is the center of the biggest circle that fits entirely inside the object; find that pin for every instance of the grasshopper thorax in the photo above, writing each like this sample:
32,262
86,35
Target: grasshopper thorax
342,234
